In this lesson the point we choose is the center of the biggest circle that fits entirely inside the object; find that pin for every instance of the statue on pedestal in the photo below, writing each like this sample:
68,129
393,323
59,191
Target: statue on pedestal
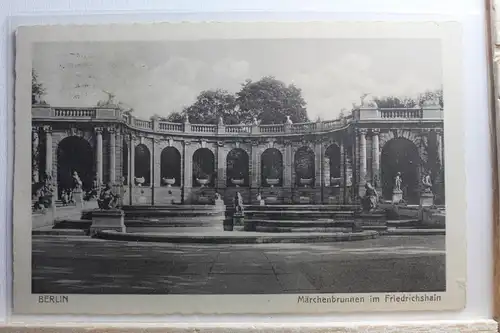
238,203
370,201
427,182
107,198
397,193
76,193
397,182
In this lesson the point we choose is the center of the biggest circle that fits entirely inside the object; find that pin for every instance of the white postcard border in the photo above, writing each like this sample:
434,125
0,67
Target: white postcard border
448,32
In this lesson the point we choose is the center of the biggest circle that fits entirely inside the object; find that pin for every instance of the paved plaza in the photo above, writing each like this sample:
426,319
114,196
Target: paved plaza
89,266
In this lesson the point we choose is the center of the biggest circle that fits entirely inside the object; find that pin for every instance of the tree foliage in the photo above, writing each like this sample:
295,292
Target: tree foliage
268,100
409,102
210,105
271,101
37,89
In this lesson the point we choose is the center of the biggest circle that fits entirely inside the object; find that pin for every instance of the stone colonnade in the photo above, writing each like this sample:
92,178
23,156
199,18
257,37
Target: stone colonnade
371,141
362,153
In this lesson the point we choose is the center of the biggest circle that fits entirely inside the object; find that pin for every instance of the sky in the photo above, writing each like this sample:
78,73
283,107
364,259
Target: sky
163,77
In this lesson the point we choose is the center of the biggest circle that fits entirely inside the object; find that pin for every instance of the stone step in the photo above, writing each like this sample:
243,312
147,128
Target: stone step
70,224
300,223
59,232
129,208
281,207
294,215
409,223
278,229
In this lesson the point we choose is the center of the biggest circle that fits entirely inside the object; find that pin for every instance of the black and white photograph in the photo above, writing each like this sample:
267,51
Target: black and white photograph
307,167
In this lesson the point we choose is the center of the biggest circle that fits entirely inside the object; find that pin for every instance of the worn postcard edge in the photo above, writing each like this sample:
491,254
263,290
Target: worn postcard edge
448,32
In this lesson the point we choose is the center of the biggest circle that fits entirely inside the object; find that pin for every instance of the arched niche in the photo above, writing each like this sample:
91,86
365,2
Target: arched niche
401,155
74,154
333,165
142,165
170,167
272,167
304,167
203,168
237,167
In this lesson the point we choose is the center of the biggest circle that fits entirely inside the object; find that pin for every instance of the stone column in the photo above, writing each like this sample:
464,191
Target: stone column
362,160
188,171
255,171
439,143
112,155
326,171
342,172
98,132
48,150
157,149
376,158
287,173
35,165
318,154
221,166
288,165
131,157
152,164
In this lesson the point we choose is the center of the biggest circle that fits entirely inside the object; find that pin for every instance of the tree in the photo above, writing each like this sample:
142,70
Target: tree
174,117
37,89
436,94
209,106
408,102
271,101
395,102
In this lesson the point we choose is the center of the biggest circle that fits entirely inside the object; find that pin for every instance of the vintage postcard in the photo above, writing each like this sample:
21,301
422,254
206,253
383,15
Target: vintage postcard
239,168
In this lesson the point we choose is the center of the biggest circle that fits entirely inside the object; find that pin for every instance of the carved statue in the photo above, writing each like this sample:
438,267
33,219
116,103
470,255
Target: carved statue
427,182
397,182
107,198
370,201
44,193
221,121
238,203
255,121
77,182
217,197
288,120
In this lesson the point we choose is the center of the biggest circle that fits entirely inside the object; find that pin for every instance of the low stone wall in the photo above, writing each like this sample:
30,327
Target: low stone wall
433,218
42,219
142,195
167,195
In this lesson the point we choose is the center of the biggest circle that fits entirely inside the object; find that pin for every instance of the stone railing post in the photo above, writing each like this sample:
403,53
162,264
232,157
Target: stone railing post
155,122
255,128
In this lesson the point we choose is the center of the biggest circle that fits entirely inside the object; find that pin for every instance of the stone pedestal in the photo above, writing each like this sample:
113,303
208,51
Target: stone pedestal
262,203
238,222
112,219
397,196
426,199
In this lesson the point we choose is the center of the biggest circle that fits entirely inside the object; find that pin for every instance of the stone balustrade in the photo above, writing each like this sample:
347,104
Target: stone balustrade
48,113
